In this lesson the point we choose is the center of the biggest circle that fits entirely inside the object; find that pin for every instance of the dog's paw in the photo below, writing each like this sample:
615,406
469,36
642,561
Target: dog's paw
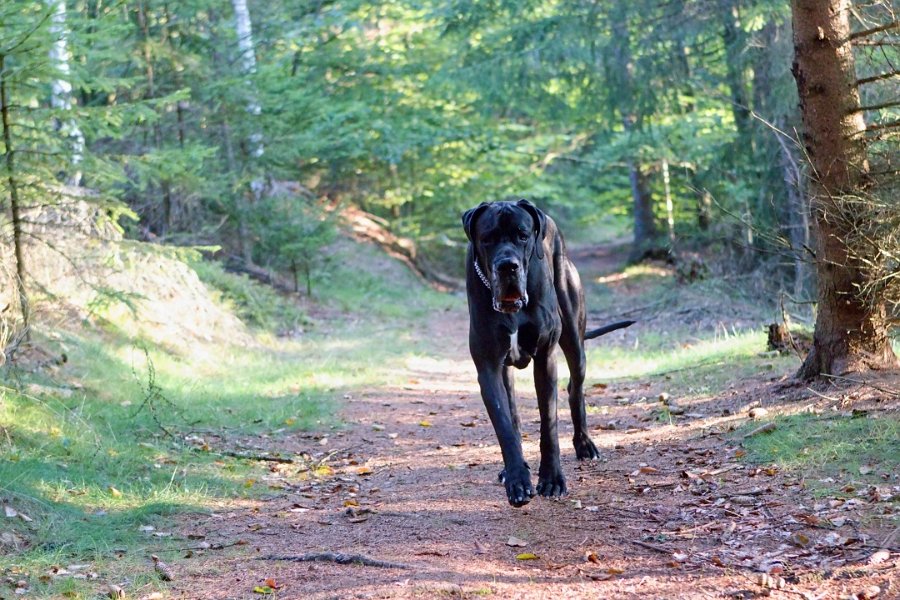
501,476
552,484
518,485
585,448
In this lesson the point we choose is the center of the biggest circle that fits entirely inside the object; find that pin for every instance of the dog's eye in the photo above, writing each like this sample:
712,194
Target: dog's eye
523,236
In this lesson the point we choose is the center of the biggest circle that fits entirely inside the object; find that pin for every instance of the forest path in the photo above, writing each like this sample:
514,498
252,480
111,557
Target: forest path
669,511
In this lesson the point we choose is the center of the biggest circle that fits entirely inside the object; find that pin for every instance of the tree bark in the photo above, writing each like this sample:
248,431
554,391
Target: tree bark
734,40
645,232
670,206
851,333
243,26
14,204
61,89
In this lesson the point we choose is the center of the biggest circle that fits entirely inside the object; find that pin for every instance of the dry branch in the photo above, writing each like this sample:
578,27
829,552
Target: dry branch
768,427
867,32
339,558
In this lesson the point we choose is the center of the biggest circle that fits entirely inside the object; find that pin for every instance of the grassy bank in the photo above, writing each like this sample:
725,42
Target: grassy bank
126,433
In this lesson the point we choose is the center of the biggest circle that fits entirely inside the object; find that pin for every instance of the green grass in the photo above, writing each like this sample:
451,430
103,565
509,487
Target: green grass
719,359
830,450
92,466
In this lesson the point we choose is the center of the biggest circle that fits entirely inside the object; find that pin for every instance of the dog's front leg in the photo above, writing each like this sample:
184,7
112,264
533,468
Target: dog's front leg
551,481
496,400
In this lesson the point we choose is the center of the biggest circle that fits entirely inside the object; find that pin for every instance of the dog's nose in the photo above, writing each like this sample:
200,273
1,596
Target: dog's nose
508,266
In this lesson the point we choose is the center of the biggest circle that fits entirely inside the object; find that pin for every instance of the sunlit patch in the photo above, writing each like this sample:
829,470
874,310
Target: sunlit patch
635,272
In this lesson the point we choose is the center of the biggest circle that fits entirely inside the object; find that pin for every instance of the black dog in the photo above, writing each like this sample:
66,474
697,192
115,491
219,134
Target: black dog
525,296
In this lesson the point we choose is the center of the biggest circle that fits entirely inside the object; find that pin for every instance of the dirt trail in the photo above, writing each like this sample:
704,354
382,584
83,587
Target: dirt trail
667,512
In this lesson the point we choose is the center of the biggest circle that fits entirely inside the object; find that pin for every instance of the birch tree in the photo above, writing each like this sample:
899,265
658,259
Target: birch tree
255,144
61,89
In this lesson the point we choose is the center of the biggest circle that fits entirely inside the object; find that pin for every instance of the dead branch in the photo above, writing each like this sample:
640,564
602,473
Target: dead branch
867,32
659,549
881,106
259,457
768,427
880,77
339,558
887,125
892,392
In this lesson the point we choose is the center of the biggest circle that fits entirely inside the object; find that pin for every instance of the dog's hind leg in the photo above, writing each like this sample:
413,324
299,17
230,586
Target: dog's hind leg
574,352
571,304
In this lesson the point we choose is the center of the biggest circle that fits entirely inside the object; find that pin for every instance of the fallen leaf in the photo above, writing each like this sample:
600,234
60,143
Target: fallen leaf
270,582
800,539
865,469
879,557
679,556
263,589
591,556
809,519
527,556
114,492
646,470
10,512
871,591
424,423
364,471
351,502
515,542
615,570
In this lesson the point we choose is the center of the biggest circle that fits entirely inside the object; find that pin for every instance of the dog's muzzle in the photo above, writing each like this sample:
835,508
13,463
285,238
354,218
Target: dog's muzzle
509,304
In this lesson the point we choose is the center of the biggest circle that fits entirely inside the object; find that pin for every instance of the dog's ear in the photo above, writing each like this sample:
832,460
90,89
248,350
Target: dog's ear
540,225
470,216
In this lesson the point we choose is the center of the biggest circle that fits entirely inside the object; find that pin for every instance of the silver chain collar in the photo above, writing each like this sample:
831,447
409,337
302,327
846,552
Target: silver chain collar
481,275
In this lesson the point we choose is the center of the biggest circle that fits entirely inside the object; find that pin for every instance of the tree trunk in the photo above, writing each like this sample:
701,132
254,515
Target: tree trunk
14,205
851,333
645,232
670,207
243,26
61,90
734,39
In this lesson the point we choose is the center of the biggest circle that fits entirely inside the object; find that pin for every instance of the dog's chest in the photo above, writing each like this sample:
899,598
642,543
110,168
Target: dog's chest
523,344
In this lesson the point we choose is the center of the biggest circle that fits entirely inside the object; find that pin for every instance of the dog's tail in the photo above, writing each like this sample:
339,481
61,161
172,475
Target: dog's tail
593,333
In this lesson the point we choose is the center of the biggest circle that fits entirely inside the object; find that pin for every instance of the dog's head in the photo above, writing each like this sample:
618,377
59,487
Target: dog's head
505,237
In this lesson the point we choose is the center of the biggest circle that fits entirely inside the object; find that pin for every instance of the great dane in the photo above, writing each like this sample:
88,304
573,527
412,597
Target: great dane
525,297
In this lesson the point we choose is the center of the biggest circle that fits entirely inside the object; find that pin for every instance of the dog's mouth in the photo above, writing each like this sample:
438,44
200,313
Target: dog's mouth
510,302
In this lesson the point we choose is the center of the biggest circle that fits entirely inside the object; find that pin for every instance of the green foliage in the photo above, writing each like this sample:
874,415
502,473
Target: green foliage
291,234
257,305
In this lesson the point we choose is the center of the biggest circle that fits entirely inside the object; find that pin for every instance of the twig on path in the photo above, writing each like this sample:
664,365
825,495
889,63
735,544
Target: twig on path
823,396
768,427
651,547
260,457
862,382
339,558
